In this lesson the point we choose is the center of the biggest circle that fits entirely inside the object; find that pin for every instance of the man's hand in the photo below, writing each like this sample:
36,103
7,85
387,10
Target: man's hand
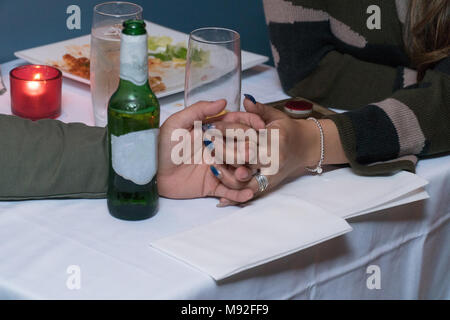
196,180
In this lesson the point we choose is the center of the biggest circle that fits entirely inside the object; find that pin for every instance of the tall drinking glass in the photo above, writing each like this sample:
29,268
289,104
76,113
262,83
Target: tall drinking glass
213,67
105,52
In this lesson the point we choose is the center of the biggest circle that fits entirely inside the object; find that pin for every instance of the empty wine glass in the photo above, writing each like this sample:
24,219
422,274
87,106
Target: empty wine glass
213,67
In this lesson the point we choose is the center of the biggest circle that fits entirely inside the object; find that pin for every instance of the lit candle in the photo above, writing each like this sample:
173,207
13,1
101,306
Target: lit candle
34,87
36,91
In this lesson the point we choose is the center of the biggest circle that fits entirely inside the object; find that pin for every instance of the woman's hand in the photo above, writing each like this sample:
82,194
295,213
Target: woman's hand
298,147
296,144
183,180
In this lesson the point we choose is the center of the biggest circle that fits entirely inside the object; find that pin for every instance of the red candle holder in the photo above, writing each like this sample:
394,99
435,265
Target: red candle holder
36,91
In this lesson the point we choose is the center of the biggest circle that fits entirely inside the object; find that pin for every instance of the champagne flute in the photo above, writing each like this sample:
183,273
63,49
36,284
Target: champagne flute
105,52
213,67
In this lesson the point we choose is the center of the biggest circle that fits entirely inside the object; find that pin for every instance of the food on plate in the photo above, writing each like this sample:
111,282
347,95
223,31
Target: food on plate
163,56
199,57
77,66
80,66
170,53
157,84
161,48
155,42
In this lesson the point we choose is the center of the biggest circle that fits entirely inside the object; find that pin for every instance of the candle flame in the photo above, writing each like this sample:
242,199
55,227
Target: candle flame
35,87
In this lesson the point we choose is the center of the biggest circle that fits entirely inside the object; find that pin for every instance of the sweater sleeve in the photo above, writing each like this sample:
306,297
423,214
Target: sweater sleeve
393,120
412,122
51,159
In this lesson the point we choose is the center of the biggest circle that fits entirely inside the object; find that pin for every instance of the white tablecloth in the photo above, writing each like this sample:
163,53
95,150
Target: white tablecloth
43,242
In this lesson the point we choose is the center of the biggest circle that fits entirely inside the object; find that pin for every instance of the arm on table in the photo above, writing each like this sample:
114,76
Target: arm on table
389,135
51,159
393,119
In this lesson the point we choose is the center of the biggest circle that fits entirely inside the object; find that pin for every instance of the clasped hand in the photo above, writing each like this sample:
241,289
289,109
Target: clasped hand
232,180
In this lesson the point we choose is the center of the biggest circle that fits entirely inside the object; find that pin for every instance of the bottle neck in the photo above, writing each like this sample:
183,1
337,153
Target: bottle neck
134,59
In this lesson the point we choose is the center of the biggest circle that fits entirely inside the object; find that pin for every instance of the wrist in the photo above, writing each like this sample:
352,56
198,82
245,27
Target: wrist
309,149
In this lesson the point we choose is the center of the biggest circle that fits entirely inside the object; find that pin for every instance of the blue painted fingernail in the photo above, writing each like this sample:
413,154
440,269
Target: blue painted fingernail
208,144
250,97
208,126
215,171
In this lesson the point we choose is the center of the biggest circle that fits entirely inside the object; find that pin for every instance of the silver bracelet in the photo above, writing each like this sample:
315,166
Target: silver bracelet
318,169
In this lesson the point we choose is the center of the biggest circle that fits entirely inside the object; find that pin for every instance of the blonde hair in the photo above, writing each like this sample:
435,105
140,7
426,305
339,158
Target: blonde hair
427,33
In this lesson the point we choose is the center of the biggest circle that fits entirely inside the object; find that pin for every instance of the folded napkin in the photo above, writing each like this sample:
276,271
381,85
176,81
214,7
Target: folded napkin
298,215
413,196
264,231
343,193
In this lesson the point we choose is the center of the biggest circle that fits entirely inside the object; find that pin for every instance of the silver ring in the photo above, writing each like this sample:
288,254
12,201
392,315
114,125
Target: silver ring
262,180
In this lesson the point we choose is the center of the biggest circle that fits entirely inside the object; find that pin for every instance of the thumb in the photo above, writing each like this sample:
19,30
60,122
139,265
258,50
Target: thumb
268,114
197,112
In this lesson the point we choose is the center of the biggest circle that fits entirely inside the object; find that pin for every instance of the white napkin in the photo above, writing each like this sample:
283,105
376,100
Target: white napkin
346,194
298,215
416,195
264,231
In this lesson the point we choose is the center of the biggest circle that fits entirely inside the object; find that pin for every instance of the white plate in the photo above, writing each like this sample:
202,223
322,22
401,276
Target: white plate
54,52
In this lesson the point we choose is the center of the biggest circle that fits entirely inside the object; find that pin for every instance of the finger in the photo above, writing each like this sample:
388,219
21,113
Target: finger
236,148
254,186
243,173
236,130
249,119
223,202
268,114
236,153
197,112
242,152
223,125
234,195
226,176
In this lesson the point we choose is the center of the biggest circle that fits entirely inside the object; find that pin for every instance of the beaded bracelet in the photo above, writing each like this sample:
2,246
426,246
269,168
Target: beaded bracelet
318,169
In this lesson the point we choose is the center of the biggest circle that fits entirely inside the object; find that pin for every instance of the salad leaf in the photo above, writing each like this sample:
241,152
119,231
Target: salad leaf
155,42
163,56
178,51
199,56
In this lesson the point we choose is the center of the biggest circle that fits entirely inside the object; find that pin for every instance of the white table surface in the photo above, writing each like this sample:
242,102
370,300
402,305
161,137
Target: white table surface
39,240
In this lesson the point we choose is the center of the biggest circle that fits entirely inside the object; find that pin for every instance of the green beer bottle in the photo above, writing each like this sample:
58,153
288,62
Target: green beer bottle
133,126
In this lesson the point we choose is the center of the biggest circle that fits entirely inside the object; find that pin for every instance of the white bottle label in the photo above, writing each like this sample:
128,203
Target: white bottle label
134,59
135,155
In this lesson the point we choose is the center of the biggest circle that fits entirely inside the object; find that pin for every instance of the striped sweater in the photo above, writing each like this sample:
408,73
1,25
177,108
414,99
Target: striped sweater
324,51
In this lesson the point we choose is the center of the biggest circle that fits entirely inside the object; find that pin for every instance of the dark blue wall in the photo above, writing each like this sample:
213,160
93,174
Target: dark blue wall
28,23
